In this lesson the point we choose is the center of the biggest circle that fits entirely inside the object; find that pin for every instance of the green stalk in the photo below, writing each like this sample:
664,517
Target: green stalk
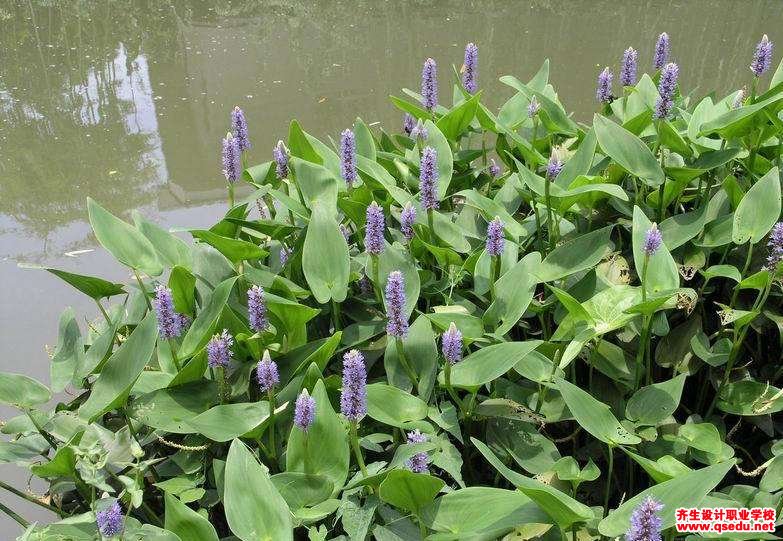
18,518
272,444
174,354
431,224
103,311
336,320
495,275
609,479
48,437
548,202
357,451
143,289
375,278
30,498
405,364
230,195
450,389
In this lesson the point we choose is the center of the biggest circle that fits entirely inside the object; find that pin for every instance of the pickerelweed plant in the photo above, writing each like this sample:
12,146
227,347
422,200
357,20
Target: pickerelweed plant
483,325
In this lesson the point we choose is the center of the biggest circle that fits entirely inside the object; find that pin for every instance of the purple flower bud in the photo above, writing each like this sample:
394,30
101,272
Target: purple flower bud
645,522
353,398
661,51
256,309
775,246
628,69
495,239
451,344
418,462
169,322
666,87
267,374
397,325
494,168
553,167
739,99
470,73
429,84
348,157
408,122
232,164
346,233
304,411
407,219
419,131
652,240
219,350
428,179
533,107
280,153
762,59
373,235
110,520
603,92
239,128
285,254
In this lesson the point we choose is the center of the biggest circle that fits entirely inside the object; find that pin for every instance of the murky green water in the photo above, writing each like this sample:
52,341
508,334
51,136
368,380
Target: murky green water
126,101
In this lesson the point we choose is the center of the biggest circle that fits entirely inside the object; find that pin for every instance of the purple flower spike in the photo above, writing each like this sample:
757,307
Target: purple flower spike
429,84
553,167
495,239
666,87
353,399
652,240
348,157
267,374
494,168
110,520
645,522
256,309
775,246
219,350
373,236
762,59
408,122
428,179
451,344
603,92
418,462
239,127
533,107
661,51
169,322
232,164
346,232
280,154
407,219
470,73
628,69
419,131
397,325
304,411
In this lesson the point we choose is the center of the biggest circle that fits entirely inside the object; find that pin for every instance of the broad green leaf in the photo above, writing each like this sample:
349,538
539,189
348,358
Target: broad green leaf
410,491
595,416
300,146
93,287
324,448
255,511
225,422
628,151
125,242
582,253
203,326
69,355
187,523
394,406
171,249
235,250
748,397
489,363
513,293
758,210
457,120
302,489
325,260
365,145
662,274
686,490
171,409
121,371
654,403
22,391
317,184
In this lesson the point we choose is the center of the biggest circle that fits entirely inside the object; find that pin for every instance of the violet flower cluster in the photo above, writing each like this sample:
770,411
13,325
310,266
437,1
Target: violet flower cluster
170,323
428,179
304,411
110,520
775,246
645,522
407,219
762,58
666,87
451,344
348,157
661,55
267,374
397,325
628,68
232,162
470,73
495,239
219,352
418,462
603,91
652,240
280,155
373,236
353,398
256,309
429,84
239,128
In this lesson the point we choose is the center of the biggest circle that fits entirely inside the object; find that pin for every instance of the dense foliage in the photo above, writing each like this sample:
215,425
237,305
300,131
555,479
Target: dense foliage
490,326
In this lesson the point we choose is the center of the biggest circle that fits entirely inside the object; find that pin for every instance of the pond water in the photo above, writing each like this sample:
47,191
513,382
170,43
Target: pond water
126,102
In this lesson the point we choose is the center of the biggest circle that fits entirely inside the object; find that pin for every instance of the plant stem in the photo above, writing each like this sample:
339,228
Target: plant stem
30,498
143,289
450,389
336,320
103,311
551,239
375,278
272,445
48,437
357,450
610,472
405,364
495,274
230,195
174,354
18,518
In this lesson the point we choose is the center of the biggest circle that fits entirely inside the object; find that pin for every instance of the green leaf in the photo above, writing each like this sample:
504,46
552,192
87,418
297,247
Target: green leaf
323,449
325,260
758,210
686,490
225,422
300,146
121,371
513,293
457,120
171,249
628,151
69,355
93,287
489,363
365,145
595,416
393,406
235,250
410,491
255,510
22,391
186,523
201,329
438,141
125,242
662,274
654,403
171,409
582,253
302,489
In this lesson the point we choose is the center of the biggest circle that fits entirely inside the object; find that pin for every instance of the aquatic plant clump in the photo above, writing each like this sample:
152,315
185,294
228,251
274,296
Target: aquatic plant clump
571,327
